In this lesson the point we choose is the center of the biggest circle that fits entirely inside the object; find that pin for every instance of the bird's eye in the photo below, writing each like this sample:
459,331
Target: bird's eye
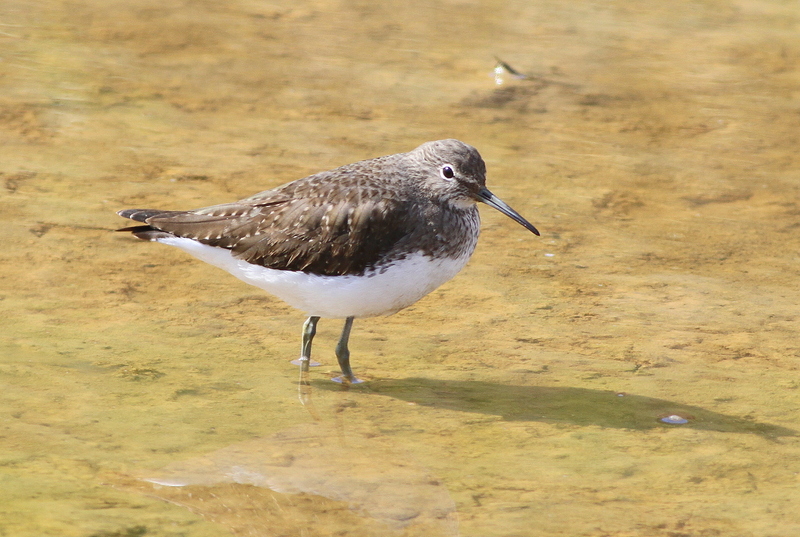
447,172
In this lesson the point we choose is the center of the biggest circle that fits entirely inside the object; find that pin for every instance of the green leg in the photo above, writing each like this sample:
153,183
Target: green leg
343,355
309,330
304,386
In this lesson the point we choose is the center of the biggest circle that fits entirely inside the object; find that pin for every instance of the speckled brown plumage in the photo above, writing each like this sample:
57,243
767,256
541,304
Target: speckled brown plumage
366,239
345,221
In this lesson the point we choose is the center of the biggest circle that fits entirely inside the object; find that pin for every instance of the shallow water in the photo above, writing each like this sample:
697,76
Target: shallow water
654,145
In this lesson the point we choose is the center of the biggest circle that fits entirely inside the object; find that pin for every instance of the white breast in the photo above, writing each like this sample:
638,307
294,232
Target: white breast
376,293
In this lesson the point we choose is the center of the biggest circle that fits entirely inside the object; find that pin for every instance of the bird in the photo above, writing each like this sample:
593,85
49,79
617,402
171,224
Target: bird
361,240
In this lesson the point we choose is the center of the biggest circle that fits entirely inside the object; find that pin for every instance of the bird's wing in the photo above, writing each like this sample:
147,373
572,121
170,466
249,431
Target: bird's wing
319,227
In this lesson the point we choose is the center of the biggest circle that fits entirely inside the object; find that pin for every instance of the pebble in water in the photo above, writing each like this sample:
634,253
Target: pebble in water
674,419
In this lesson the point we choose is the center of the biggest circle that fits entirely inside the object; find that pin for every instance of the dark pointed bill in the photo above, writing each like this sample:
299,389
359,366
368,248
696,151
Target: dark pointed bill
493,201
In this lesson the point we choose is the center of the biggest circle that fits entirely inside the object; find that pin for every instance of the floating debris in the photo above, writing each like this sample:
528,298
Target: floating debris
501,68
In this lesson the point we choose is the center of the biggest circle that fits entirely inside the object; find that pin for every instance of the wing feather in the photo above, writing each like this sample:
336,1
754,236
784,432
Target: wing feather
311,225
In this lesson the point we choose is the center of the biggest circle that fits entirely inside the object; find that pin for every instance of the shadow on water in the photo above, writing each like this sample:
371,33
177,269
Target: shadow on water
576,406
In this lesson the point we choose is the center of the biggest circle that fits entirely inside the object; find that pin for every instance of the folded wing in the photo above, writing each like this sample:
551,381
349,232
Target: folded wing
314,230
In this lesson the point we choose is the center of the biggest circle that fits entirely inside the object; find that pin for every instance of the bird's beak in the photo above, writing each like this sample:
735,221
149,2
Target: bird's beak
493,201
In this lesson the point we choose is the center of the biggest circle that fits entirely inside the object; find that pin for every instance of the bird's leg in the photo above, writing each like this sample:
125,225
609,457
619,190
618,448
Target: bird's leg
309,330
342,352
343,355
304,386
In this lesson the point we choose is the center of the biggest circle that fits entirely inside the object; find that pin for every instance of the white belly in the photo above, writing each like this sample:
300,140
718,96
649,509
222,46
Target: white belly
400,285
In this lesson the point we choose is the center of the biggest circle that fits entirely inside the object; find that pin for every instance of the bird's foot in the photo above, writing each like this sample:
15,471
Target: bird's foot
346,380
311,363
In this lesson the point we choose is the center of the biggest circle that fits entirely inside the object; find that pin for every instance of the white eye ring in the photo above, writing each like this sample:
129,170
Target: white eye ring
447,172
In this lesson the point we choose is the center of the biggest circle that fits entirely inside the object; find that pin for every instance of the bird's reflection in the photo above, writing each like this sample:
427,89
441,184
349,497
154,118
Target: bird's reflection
311,479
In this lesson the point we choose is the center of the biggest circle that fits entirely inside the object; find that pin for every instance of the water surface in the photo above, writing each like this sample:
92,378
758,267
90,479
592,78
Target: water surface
654,145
